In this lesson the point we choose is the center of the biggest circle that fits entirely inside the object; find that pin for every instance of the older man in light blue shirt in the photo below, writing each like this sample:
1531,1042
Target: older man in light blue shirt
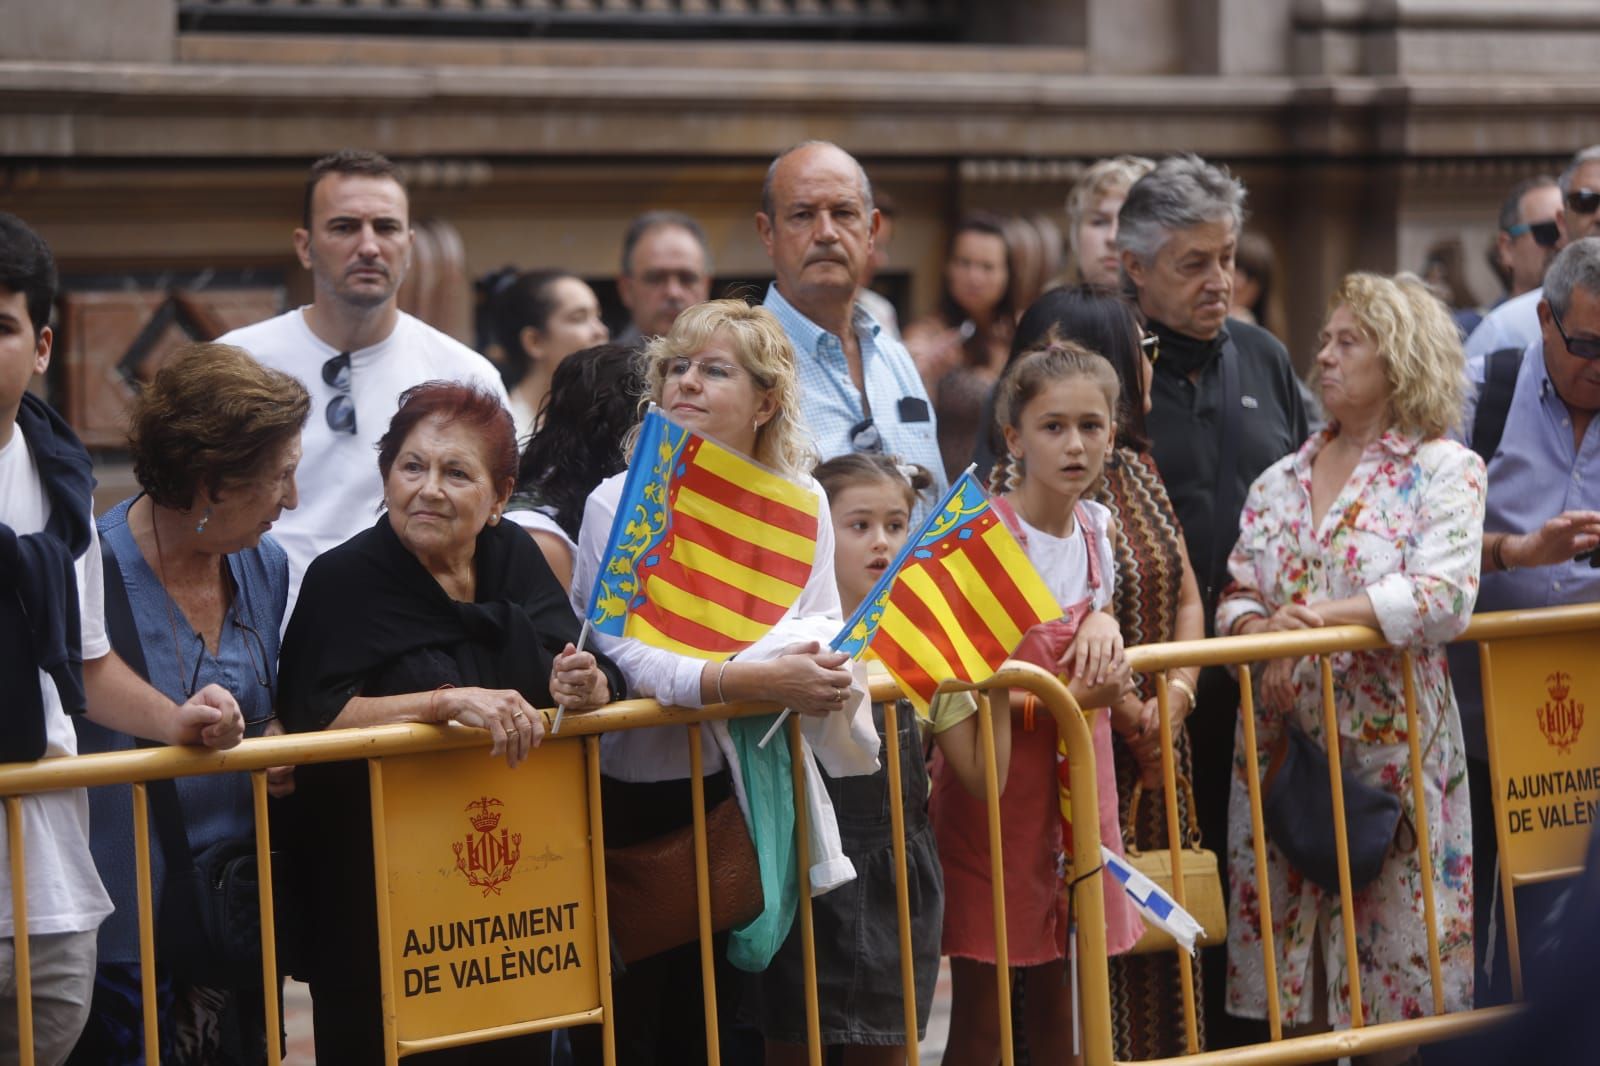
859,390
1543,510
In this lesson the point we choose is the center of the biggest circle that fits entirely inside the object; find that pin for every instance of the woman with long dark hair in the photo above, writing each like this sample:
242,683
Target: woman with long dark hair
961,348
540,319
593,402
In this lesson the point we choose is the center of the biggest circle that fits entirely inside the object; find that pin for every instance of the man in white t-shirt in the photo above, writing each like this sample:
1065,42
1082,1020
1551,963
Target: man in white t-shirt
55,660
352,347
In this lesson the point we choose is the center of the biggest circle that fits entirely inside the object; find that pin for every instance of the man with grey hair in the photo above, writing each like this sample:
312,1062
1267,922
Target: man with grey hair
859,390
1515,323
666,267
1542,447
1225,405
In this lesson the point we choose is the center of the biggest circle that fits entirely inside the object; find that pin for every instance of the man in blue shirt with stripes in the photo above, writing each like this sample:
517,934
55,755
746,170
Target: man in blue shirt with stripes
860,390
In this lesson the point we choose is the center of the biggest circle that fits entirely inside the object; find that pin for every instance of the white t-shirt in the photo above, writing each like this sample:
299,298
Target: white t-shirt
340,490
1063,562
64,891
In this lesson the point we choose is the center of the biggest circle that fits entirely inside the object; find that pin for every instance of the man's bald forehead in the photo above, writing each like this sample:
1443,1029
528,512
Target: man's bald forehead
804,151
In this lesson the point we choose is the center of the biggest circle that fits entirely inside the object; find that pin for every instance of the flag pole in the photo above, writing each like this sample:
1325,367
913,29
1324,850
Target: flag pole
583,638
888,576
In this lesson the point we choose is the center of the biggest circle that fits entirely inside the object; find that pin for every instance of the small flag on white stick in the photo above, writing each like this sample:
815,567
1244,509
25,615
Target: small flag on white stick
1158,909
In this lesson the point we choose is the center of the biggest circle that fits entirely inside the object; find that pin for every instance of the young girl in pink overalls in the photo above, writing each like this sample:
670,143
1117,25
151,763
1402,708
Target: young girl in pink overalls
1056,407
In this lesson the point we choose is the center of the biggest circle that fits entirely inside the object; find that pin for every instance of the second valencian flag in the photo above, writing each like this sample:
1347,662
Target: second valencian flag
709,549
956,601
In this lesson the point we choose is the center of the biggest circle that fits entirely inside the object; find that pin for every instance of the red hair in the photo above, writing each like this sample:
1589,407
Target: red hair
453,402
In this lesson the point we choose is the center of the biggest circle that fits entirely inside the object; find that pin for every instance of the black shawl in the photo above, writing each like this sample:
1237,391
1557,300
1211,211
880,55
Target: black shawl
371,621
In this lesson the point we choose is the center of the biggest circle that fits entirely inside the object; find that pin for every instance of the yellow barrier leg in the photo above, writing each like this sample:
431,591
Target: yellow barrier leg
1169,778
902,891
1508,898
269,924
1330,727
702,884
1258,839
997,873
602,919
19,925
802,847
1419,799
147,938
380,867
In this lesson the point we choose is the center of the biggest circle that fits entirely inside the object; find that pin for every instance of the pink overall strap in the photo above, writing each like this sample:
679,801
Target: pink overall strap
1080,513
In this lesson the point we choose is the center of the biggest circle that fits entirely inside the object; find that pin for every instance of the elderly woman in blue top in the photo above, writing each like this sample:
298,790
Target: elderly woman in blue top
215,441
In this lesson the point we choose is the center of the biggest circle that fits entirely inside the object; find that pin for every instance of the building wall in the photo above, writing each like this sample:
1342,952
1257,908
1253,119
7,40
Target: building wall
1366,129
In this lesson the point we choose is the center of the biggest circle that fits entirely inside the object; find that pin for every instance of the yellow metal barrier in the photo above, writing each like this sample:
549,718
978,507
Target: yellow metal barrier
1361,1038
374,744
256,756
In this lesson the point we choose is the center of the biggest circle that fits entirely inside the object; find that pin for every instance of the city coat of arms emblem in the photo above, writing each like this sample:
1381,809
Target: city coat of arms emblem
1561,717
488,854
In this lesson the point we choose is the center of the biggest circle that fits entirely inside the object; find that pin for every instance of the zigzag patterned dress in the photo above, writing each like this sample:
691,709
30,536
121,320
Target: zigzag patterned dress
1146,994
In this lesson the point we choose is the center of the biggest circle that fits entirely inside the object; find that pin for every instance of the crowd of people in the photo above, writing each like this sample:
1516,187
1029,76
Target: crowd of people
347,518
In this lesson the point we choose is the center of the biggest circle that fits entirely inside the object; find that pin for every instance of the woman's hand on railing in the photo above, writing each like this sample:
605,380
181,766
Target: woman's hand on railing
807,678
577,682
280,779
515,726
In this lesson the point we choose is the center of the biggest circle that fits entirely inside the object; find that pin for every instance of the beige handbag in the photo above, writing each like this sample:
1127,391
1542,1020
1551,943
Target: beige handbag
1202,882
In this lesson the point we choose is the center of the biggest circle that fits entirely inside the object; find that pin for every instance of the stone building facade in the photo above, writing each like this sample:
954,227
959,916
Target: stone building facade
160,146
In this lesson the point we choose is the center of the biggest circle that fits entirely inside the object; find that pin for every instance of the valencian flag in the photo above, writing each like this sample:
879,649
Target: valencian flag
709,549
954,603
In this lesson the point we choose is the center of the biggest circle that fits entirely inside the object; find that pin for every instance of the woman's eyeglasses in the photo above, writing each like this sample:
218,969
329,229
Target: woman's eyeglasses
1150,345
341,410
260,666
709,371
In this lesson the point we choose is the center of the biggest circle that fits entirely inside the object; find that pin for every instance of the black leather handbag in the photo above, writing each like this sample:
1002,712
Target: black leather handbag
1298,810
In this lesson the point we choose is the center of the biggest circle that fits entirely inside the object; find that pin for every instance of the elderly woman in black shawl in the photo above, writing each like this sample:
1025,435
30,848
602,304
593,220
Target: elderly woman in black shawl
440,612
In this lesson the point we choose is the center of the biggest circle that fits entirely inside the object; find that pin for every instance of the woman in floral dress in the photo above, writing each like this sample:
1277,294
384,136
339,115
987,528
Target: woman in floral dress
1377,520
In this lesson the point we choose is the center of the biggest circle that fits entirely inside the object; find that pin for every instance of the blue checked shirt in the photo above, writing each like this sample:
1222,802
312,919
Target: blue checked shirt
831,406
1535,474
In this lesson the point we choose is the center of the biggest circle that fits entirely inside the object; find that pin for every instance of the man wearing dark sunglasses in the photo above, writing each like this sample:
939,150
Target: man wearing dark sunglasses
1515,323
352,347
1529,234
1541,526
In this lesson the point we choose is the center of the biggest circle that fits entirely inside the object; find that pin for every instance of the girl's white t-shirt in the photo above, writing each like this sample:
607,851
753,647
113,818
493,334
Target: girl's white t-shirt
1063,562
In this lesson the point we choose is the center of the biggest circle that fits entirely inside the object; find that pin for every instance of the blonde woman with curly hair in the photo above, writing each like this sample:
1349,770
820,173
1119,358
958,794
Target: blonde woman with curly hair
1378,521
726,371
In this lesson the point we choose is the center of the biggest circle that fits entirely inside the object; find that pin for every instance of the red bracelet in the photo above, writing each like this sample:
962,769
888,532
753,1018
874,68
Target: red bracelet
1030,703
433,701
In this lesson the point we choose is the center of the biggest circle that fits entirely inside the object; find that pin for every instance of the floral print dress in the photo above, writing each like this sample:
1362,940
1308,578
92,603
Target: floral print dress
1406,530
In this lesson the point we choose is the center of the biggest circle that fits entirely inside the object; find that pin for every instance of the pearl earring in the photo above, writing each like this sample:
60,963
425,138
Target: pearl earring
200,526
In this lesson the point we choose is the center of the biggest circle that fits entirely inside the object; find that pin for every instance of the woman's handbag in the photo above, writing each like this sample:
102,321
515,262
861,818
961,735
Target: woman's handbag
1202,880
651,901
209,929
1297,807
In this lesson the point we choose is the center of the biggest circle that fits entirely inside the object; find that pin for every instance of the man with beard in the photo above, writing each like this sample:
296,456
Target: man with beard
352,347
1225,405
